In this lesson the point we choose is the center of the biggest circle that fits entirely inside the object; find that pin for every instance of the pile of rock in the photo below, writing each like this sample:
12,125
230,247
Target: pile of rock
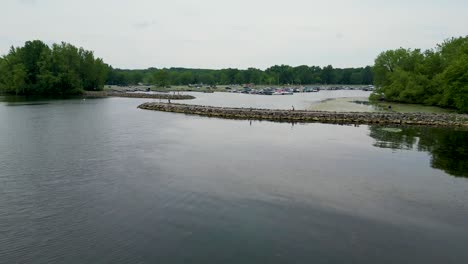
165,96
427,119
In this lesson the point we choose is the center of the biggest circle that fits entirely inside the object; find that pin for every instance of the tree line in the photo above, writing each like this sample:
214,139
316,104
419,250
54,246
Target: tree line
62,69
436,76
275,75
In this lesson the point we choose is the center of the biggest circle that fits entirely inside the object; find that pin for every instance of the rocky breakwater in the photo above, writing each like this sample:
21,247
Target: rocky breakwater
166,96
426,119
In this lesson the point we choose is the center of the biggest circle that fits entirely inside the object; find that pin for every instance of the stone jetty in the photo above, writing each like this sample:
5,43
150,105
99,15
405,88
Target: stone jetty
165,96
304,116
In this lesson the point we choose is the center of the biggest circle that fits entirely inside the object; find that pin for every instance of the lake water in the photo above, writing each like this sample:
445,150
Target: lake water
325,100
100,181
298,100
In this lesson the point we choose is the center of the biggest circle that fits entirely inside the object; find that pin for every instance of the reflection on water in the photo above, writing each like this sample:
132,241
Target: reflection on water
21,104
448,147
12,100
100,181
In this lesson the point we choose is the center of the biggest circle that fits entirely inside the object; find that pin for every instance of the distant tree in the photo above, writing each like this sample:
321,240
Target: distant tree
161,78
275,75
367,77
355,78
327,75
186,78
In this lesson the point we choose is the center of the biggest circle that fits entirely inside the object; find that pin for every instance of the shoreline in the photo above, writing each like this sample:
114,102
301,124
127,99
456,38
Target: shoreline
362,104
138,95
306,116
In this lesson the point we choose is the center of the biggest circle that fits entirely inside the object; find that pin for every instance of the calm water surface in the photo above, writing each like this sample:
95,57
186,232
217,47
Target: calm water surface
298,100
100,181
336,100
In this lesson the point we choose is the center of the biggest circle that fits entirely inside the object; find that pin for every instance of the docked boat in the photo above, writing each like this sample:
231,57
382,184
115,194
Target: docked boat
277,93
283,92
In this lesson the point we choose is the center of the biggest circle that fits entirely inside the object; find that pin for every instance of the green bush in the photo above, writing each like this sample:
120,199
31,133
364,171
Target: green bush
436,77
63,69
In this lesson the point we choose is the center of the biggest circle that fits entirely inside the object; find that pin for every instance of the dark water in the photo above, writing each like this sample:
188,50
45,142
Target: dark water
100,181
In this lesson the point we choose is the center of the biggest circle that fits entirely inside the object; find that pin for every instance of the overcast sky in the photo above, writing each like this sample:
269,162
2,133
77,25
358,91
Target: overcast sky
234,33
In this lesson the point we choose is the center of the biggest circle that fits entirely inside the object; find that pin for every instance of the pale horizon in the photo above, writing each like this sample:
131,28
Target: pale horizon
211,34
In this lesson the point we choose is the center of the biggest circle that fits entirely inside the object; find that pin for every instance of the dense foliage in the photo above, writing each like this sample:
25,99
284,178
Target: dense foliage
37,69
434,77
279,74
63,69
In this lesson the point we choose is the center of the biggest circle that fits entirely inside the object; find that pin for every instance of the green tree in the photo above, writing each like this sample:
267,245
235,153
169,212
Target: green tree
327,75
161,78
37,69
434,77
455,78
